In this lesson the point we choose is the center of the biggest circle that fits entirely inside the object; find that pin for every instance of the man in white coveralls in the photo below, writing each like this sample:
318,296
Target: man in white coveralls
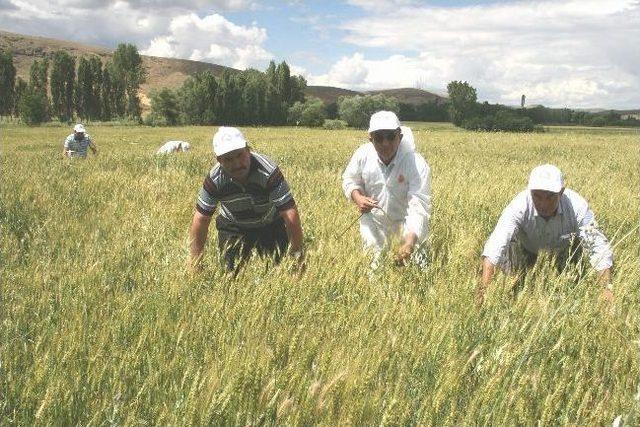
390,183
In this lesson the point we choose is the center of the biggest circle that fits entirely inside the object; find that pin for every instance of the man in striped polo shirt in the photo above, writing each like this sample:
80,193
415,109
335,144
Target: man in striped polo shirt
257,209
78,142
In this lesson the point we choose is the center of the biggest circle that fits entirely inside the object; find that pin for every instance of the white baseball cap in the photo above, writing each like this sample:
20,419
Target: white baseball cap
383,120
79,128
546,177
227,139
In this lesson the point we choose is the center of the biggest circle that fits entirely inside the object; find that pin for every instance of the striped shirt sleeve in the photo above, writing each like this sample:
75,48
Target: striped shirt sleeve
66,142
279,191
207,198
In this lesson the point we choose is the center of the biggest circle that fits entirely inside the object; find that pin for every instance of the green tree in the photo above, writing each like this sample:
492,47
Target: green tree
229,99
106,94
283,83
20,89
128,68
254,97
462,101
95,104
33,106
63,74
356,110
164,108
273,99
7,83
197,99
38,84
309,113
84,89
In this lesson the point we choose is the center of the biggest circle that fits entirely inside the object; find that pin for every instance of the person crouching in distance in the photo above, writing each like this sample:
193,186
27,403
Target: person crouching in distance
76,144
174,147
545,216
390,184
256,206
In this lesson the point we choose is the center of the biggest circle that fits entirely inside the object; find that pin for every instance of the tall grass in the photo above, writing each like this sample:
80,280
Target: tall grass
101,324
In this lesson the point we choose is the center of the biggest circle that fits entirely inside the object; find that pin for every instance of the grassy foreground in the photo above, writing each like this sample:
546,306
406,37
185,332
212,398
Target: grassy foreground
101,324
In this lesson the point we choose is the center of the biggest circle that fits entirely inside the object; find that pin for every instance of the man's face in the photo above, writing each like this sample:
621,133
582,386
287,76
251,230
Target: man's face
386,142
236,163
79,136
546,202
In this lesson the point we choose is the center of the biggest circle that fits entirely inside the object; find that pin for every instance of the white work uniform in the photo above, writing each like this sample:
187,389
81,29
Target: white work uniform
171,146
402,189
521,222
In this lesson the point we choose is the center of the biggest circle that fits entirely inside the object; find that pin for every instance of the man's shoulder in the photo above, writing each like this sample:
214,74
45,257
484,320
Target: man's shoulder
69,137
365,150
520,203
577,201
264,163
418,159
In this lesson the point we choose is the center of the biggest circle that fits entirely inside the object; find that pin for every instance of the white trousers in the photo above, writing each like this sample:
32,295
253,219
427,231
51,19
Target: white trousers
377,232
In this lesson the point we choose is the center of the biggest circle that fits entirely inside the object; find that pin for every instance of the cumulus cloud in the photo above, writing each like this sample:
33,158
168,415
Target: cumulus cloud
576,53
214,39
102,22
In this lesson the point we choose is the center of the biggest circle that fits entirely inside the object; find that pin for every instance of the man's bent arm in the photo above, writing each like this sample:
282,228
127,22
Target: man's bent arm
488,270
198,236
293,225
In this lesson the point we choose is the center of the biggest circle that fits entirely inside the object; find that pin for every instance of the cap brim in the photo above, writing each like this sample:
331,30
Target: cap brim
230,147
552,187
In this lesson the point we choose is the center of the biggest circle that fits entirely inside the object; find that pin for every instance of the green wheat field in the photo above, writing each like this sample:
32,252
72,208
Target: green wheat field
102,324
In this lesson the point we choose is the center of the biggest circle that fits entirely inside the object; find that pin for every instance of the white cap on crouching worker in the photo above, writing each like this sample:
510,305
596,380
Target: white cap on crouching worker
227,139
546,177
79,128
383,120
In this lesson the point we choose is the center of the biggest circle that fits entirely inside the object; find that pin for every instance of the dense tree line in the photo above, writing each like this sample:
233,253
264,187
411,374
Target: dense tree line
57,88
466,112
249,97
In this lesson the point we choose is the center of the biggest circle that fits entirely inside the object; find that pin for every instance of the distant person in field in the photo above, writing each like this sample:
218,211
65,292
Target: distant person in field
546,216
78,142
256,207
174,147
390,184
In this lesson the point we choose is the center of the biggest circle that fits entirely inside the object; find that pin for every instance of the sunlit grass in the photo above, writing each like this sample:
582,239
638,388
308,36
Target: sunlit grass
101,324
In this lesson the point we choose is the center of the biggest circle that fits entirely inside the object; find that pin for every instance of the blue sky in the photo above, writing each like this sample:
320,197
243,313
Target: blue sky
576,53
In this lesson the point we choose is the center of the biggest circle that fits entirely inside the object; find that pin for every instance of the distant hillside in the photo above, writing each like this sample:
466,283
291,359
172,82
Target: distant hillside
411,95
163,72
166,72
329,94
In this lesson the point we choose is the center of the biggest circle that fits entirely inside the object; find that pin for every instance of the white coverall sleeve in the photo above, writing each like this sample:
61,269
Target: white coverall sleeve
352,176
419,201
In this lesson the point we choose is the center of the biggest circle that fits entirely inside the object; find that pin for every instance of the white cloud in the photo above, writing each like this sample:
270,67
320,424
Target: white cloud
576,53
214,39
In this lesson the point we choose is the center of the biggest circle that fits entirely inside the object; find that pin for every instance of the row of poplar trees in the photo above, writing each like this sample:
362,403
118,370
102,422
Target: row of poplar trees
248,97
57,88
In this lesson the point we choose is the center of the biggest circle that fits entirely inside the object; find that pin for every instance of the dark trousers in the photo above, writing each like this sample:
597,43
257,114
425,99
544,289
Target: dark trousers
236,243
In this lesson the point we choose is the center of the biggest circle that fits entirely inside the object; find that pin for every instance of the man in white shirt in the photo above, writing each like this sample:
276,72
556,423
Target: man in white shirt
390,183
545,216
174,147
